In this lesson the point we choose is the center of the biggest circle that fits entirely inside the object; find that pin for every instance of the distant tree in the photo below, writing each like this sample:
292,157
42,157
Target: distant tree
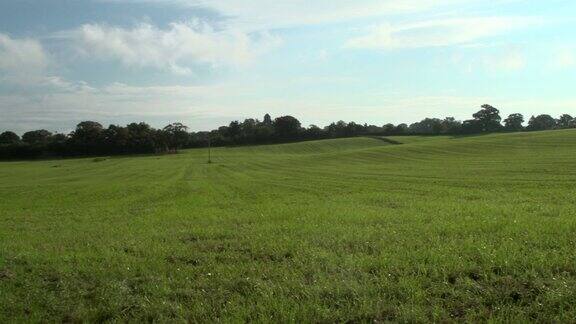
8,138
37,137
88,138
401,129
223,131
88,132
117,138
389,129
91,138
264,133
142,138
57,145
541,122
488,119
514,122
565,121
234,130
353,129
428,126
450,126
373,130
337,129
58,138
200,139
176,136
287,127
267,120
471,126
248,130
313,132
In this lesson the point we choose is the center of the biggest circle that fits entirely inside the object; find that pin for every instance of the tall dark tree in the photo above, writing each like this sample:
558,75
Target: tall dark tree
401,129
176,136
267,120
488,119
541,122
88,138
88,132
37,137
428,126
264,133
248,130
353,129
9,138
337,129
389,129
117,138
142,138
57,145
234,130
287,127
565,121
450,126
514,122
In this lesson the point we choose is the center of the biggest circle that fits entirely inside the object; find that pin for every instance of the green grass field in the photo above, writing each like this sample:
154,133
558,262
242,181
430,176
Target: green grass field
361,230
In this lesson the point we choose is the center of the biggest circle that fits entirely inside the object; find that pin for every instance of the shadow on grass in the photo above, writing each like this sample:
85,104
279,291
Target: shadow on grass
387,140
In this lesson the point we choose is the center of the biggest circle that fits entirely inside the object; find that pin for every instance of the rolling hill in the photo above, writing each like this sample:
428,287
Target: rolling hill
431,229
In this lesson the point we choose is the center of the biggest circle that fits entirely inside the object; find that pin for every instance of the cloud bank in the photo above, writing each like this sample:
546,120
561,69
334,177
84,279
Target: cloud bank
438,33
176,49
21,59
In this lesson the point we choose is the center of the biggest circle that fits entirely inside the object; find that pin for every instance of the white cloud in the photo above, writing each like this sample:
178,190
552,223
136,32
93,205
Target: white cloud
505,58
251,15
67,103
24,65
176,49
21,60
438,33
266,14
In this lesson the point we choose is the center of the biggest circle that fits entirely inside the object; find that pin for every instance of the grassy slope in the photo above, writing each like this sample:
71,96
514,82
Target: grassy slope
355,229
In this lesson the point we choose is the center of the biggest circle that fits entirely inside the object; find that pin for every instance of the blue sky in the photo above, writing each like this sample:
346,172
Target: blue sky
207,62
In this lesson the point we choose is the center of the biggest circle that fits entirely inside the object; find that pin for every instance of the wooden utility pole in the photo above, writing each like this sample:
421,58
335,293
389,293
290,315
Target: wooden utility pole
209,150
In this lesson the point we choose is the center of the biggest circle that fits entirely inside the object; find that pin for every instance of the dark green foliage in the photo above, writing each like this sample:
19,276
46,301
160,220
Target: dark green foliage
313,132
428,126
175,136
143,139
91,138
514,122
433,126
450,126
541,122
287,127
401,129
9,138
566,121
488,119
88,138
37,137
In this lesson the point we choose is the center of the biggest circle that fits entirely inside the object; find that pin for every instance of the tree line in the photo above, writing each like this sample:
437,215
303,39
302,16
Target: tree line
91,138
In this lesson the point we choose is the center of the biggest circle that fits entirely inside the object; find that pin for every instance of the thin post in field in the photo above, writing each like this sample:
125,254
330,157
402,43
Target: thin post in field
209,150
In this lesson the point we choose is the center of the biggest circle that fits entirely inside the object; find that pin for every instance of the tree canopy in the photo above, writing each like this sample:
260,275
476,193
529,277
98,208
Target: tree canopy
9,138
541,122
514,122
91,138
488,119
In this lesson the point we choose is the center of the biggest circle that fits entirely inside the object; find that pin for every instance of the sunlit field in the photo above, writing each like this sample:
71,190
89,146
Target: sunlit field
409,229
